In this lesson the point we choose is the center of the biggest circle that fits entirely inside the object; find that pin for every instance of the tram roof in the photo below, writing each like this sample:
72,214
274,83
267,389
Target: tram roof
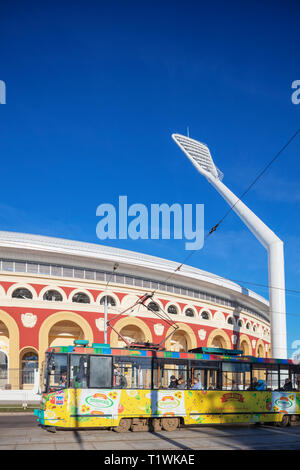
106,350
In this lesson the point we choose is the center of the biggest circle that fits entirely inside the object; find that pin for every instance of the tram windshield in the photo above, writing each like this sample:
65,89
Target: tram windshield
56,372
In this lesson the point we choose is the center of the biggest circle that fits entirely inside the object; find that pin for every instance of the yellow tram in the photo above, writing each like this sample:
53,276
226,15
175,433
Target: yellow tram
140,389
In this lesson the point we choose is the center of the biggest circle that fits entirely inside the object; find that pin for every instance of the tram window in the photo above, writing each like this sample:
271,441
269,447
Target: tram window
170,374
78,371
295,377
142,373
288,378
196,378
57,370
211,380
205,373
122,372
284,378
100,372
235,376
264,377
132,372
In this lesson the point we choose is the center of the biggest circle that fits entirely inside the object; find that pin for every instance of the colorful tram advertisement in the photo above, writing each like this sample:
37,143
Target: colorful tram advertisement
131,389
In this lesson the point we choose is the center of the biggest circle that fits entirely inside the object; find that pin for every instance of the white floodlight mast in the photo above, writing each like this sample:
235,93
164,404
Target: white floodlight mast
200,156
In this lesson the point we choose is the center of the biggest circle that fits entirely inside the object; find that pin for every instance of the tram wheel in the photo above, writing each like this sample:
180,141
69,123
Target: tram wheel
170,424
124,425
139,424
156,424
286,421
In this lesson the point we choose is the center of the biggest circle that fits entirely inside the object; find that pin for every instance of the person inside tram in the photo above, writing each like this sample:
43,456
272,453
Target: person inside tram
63,380
254,384
288,386
261,385
197,384
180,383
173,382
123,381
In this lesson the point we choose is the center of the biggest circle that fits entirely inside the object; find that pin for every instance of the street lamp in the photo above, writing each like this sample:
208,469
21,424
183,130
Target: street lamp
201,158
115,267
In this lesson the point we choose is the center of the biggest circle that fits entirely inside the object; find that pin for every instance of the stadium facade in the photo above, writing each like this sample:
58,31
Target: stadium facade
52,291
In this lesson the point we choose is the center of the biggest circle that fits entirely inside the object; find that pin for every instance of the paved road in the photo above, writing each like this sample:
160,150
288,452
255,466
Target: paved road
20,432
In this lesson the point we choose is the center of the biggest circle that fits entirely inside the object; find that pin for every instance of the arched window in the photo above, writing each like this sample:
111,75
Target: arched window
172,309
219,342
53,295
230,321
248,326
64,333
205,315
189,312
133,334
29,364
245,348
254,328
240,323
260,351
179,341
110,301
81,298
153,306
22,293
3,369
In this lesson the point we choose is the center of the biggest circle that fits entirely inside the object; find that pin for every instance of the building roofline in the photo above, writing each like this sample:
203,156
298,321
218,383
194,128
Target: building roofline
92,252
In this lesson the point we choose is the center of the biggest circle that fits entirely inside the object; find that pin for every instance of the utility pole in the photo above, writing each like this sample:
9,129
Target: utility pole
116,265
201,158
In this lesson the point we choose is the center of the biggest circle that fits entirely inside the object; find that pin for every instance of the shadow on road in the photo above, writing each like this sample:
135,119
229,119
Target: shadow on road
250,437
78,438
170,441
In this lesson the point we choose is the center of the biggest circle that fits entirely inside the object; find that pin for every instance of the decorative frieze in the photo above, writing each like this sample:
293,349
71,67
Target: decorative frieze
202,334
100,324
29,320
158,329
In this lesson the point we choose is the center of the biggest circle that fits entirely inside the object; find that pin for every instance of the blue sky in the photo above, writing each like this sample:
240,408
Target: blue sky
94,92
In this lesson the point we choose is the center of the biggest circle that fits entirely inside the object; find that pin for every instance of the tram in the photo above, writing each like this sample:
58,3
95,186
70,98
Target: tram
131,389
